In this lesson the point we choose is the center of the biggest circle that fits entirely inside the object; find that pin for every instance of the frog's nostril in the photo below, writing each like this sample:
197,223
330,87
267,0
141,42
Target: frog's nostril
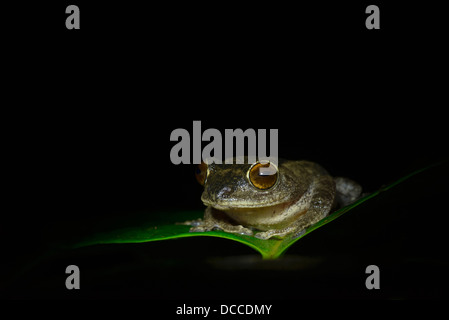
224,192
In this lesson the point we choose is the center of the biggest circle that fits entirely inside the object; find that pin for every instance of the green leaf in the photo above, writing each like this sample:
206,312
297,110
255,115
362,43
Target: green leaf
165,227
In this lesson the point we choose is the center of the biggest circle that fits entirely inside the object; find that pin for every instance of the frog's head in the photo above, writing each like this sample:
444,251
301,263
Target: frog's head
246,187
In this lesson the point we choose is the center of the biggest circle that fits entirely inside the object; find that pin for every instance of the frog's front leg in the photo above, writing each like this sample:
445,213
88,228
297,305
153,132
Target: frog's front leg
322,200
215,219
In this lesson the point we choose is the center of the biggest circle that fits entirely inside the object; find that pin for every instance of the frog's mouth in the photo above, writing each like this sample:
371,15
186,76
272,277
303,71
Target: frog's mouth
247,208
253,210
260,217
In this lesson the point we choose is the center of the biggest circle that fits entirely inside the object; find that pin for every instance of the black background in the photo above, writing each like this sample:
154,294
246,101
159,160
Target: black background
90,112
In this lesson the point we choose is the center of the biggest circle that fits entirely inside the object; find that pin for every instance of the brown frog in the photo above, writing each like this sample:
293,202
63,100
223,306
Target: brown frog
268,200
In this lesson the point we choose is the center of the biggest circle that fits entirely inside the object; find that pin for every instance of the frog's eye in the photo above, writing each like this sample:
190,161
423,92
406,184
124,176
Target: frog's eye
263,175
201,173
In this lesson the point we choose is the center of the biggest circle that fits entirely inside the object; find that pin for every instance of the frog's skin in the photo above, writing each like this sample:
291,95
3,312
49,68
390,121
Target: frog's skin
304,194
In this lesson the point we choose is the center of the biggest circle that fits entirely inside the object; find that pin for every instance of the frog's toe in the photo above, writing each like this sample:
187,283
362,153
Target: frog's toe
277,234
245,231
198,228
204,226
264,235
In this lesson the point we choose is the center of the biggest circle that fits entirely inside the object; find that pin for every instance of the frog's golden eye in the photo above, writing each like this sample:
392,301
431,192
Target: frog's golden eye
201,173
263,175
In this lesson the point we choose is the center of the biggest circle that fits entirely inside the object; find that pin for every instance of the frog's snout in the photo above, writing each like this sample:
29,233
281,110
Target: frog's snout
211,196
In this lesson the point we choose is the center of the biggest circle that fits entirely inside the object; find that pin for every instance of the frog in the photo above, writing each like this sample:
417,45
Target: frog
267,199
